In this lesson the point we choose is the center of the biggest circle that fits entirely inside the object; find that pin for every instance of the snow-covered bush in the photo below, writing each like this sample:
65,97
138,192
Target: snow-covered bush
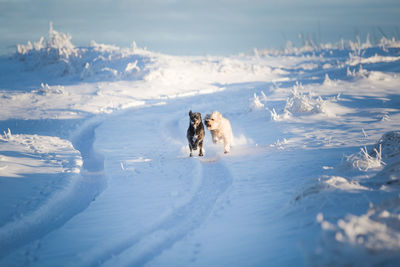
300,102
45,89
57,56
107,62
391,43
363,161
255,103
356,47
7,135
274,116
328,81
57,47
388,146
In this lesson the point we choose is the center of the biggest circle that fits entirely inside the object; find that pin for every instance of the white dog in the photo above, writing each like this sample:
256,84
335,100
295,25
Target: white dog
220,129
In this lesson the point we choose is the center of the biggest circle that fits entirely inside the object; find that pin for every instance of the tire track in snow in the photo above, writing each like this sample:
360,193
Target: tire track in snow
215,180
141,248
62,205
138,249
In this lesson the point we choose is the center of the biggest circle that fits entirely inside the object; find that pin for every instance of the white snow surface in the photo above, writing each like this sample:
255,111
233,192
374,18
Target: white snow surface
95,167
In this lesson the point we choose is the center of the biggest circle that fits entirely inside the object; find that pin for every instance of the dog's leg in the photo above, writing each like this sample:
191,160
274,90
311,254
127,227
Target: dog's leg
201,149
190,147
216,140
227,146
197,143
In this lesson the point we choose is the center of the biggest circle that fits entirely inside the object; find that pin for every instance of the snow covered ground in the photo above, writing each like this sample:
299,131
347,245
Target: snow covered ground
95,167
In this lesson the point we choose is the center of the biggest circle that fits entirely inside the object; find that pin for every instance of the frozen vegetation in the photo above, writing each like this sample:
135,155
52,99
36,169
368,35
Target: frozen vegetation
95,167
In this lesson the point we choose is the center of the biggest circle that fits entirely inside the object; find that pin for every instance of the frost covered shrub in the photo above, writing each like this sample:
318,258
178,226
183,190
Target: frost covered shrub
106,62
7,135
391,43
56,48
363,161
361,73
255,102
57,56
328,81
388,146
279,117
45,89
299,102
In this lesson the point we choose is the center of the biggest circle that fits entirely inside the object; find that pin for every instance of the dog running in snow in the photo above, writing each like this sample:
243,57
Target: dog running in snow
220,128
195,133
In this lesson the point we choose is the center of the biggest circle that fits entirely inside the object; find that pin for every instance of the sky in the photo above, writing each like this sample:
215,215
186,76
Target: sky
189,27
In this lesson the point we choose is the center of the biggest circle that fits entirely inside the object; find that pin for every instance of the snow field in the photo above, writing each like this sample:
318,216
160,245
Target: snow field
50,167
371,236
310,180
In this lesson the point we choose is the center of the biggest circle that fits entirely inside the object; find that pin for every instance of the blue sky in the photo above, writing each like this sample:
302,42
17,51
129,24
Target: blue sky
197,27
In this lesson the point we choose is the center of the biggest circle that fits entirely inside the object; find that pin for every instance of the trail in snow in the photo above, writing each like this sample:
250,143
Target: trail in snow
210,180
156,194
214,181
79,191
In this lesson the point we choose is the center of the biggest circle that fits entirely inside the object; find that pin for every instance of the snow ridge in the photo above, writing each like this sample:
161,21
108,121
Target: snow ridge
79,190
56,54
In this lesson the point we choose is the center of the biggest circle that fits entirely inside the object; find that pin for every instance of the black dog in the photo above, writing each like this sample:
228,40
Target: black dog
195,133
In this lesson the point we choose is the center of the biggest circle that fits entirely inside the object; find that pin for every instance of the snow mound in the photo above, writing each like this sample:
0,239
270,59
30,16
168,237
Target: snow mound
57,56
46,90
371,230
301,102
343,184
357,60
36,154
57,50
57,47
376,231
388,144
105,62
371,239
328,183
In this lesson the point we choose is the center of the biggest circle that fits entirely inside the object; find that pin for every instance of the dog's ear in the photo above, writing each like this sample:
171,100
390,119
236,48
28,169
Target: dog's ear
219,115
190,113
